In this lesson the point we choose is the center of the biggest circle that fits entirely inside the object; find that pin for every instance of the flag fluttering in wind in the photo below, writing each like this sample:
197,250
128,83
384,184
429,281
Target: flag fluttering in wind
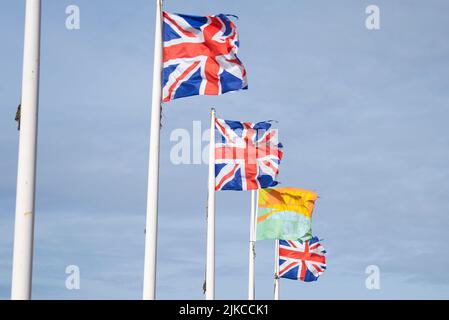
285,214
301,260
192,56
247,155
200,56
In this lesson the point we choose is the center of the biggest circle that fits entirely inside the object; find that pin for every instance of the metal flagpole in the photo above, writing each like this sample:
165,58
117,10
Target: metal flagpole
276,271
210,255
252,246
26,176
149,281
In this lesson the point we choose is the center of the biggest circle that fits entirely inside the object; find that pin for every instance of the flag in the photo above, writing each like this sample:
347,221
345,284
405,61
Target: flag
200,56
247,155
301,260
285,214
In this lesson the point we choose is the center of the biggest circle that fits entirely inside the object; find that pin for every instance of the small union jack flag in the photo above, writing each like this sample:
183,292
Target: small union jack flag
247,155
300,260
200,56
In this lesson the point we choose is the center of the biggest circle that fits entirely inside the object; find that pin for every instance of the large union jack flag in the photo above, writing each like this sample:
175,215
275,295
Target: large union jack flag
200,56
247,155
300,260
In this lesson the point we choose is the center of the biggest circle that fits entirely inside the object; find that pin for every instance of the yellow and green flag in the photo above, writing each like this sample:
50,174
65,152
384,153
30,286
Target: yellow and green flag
285,214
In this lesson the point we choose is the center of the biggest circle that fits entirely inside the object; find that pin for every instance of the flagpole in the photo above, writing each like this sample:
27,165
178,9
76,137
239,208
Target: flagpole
252,246
22,269
210,255
149,281
276,272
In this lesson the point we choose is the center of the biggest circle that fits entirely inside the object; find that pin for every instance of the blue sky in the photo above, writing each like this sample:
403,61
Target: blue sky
362,115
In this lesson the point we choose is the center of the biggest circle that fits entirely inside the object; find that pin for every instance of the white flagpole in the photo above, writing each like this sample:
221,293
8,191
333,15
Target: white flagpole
210,255
276,272
149,281
252,246
22,269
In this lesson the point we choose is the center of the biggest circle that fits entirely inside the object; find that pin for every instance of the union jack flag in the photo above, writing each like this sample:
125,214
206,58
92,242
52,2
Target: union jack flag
300,260
200,56
247,155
